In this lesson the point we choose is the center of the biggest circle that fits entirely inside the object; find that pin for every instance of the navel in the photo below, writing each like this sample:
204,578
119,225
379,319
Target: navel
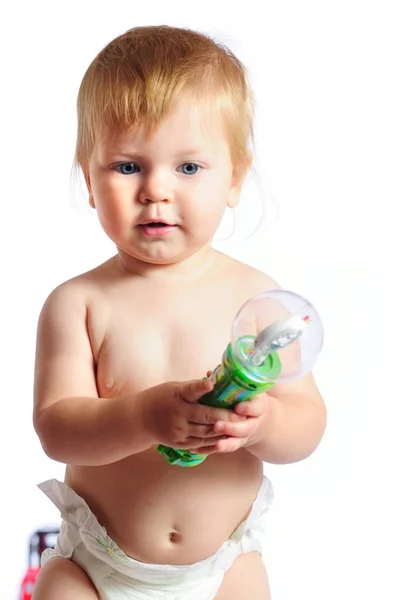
174,537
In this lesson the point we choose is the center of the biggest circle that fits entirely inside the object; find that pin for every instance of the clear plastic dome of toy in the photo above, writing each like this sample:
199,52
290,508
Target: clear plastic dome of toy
278,321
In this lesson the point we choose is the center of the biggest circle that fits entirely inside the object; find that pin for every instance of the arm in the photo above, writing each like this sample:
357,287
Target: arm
74,425
295,417
293,425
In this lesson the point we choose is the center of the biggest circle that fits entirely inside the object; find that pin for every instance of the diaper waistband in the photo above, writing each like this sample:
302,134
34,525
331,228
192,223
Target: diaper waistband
86,529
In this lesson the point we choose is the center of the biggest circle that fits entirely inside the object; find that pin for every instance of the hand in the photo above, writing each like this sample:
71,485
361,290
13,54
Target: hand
170,414
244,433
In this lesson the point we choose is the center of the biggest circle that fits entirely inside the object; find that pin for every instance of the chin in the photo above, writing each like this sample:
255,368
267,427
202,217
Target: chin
162,254
156,259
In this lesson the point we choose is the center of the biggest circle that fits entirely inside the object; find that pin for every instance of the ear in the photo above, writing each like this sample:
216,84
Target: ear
89,187
239,175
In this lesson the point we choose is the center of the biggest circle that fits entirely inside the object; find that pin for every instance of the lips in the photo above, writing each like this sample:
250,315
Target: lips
157,228
158,223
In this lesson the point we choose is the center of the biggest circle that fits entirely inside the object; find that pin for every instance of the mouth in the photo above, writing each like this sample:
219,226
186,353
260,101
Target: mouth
160,223
157,228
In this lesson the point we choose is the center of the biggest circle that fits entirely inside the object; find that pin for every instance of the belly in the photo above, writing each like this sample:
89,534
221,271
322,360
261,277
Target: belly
163,514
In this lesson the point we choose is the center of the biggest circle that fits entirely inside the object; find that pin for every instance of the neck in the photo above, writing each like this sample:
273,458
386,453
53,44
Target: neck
188,269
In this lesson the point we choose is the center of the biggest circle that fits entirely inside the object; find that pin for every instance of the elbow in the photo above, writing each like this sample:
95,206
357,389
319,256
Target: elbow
322,421
46,435
319,428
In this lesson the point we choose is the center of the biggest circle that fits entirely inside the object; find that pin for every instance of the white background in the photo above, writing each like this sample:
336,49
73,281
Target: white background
326,77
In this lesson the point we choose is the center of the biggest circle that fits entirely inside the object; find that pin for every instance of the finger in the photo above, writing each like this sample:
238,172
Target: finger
202,431
194,390
224,445
230,444
252,408
209,373
198,443
230,416
204,450
208,448
237,430
208,415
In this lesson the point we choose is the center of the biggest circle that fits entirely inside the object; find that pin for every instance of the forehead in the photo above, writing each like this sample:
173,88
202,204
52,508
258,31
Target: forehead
188,126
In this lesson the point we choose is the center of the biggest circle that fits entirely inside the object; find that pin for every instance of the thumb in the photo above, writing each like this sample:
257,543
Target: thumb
192,391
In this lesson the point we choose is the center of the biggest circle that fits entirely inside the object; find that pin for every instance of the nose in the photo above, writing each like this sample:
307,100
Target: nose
156,187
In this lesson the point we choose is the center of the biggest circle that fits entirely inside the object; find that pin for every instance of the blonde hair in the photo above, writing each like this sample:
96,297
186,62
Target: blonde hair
139,75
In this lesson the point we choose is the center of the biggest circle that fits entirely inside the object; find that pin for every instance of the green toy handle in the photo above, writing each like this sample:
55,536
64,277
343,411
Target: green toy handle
233,382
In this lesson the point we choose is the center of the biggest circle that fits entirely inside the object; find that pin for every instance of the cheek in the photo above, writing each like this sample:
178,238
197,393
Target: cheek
207,211
212,192
112,216
205,218
111,200
213,200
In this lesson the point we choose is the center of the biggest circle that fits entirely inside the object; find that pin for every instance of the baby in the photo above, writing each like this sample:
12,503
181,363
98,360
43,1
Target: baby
165,118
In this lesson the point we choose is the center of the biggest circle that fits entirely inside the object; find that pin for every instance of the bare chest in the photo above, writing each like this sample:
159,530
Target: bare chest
150,340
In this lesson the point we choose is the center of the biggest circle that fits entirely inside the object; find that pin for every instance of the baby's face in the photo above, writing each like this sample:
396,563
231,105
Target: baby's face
181,175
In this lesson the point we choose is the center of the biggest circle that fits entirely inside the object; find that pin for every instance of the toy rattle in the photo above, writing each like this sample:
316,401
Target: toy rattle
276,336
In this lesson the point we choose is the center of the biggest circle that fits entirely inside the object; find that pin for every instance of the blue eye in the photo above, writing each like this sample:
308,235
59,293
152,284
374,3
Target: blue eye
127,168
190,168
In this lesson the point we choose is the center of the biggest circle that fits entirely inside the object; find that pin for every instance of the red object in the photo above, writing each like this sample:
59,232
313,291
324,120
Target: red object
28,582
38,542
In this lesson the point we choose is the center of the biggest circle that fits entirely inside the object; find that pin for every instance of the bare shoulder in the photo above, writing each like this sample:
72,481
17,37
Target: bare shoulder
65,319
253,280
80,290
64,343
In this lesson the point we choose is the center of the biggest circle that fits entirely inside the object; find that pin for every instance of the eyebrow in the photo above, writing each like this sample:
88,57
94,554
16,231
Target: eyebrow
189,151
137,154
181,157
